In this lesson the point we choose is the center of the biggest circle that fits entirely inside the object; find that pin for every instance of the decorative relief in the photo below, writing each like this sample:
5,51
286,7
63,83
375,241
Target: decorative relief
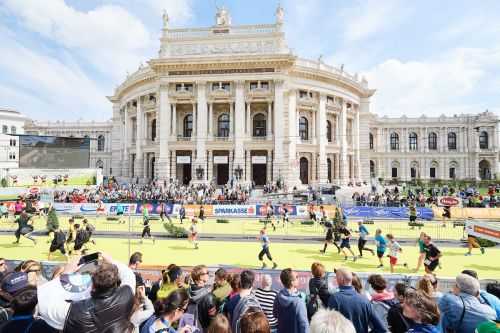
225,48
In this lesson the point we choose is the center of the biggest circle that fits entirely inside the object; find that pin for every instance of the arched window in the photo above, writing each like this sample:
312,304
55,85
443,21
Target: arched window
5,129
99,164
433,141
371,141
223,125
13,130
100,143
329,131
433,170
329,169
188,126
153,130
483,140
372,169
413,138
452,141
304,170
259,125
303,129
394,141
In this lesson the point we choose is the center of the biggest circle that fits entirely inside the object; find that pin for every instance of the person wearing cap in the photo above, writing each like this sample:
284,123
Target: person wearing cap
484,296
25,228
101,300
461,310
143,307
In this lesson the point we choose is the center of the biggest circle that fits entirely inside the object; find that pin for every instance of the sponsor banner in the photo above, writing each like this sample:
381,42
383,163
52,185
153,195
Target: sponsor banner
490,231
47,196
234,210
220,159
36,178
257,159
193,210
387,212
303,211
153,208
128,208
183,159
449,201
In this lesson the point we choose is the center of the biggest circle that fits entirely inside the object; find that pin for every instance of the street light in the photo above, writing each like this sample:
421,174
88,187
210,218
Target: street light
238,172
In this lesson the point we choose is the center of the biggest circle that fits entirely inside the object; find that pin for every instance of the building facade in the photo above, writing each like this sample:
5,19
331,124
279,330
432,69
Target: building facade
457,147
233,101
11,124
98,132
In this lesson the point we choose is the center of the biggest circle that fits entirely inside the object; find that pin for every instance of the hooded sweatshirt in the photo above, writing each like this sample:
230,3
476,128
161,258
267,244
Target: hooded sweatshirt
200,302
423,328
290,310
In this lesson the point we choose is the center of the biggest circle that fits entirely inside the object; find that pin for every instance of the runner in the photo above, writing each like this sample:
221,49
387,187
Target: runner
201,214
269,215
381,246
473,243
146,231
182,213
394,250
164,212
58,243
80,240
329,237
345,244
4,212
312,213
432,255
412,215
89,229
24,228
284,215
119,213
421,251
193,233
363,233
18,208
446,214
322,213
264,239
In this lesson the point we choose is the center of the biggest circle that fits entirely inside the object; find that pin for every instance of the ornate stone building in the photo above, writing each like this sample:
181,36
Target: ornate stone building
233,101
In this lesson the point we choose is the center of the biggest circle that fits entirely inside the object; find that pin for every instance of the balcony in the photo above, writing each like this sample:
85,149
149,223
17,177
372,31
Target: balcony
182,93
220,93
222,138
149,104
184,138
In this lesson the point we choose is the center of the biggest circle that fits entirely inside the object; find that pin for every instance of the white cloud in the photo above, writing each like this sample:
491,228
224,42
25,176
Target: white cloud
179,11
367,18
440,85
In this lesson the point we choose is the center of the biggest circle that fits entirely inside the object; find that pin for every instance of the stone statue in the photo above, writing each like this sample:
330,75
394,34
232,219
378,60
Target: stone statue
165,19
222,17
280,14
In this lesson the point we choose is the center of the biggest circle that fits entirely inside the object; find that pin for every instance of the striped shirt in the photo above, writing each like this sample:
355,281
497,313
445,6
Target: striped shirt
266,301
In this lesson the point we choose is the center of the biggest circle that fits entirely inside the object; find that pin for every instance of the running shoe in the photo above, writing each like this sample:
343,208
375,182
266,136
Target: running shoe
275,265
380,266
482,250
468,254
263,265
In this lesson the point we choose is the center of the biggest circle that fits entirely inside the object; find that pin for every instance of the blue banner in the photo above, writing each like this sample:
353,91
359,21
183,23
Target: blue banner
387,212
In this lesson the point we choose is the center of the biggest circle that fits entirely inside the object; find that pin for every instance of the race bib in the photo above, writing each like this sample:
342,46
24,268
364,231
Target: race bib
427,262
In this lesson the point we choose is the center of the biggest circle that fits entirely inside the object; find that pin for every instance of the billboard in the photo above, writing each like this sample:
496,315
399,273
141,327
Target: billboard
52,152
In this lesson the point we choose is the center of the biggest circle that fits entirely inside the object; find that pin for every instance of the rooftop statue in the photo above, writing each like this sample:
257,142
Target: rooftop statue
222,17
280,14
165,19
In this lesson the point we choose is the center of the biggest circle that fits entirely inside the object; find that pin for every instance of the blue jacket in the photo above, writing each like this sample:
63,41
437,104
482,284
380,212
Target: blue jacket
290,310
491,300
357,309
423,328
451,308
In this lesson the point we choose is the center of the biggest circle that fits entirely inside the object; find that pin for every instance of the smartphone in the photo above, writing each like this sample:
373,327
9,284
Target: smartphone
89,258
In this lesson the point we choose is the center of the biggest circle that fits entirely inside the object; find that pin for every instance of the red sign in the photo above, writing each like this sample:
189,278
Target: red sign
34,190
449,201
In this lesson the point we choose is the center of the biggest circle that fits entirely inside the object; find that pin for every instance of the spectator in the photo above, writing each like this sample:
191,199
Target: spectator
354,306
266,296
172,279
168,311
488,327
461,310
143,307
254,321
135,261
318,290
289,308
201,308
219,324
484,296
110,304
222,288
3,268
330,321
428,285
422,310
357,284
382,300
246,300
493,288
396,320
23,306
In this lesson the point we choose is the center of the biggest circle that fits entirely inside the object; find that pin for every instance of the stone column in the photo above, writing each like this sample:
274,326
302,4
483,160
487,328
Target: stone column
248,166
210,119
163,164
357,138
231,120
269,120
174,121
201,126
117,144
314,126
239,126
173,165
291,174
210,165
279,131
248,120
269,160
322,140
138,165
195,121
344,164
126,140
230,162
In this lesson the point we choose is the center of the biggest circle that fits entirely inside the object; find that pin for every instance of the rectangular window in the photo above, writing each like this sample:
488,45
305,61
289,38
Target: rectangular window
253,85
452,173
432,172
264,85
329,99
303,94
413,173
215,85
394,172
226,86
5,129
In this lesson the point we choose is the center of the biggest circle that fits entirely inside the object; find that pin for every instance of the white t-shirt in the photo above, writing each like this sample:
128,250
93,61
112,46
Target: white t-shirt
394,249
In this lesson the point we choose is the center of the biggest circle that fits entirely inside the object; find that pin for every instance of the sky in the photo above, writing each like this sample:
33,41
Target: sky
59,59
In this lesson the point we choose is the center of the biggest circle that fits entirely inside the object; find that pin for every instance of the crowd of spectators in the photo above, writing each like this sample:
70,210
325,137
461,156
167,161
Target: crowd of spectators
171,192
109,296
402,196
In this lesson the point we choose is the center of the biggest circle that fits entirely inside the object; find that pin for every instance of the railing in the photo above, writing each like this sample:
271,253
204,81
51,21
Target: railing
184,138
222,138
232,30
319,65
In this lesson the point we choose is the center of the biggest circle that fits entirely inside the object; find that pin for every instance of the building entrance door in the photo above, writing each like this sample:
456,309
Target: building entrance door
222,174
259,174
186,174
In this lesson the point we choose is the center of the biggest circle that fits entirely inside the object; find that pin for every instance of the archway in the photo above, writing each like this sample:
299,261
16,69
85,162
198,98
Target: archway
484,170
304,170
329,169
372,168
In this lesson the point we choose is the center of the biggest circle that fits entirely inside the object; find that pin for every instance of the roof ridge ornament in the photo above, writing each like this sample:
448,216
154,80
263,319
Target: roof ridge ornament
280,14
165,19
222,17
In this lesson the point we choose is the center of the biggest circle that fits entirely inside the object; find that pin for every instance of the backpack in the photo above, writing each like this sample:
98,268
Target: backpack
313,304
382,309
243,305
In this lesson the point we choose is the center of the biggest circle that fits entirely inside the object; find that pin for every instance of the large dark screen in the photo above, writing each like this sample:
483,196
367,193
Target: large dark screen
50,152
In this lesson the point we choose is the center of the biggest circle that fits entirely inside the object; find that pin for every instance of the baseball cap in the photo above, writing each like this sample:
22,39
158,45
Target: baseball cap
15,281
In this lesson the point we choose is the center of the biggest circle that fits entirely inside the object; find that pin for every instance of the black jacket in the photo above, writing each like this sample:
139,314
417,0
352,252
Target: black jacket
201,301
319,286
104,313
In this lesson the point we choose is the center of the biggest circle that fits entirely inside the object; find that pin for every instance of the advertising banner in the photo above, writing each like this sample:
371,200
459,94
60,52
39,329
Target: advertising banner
449,201
128,208
387,212
490,231
234,210
154,208
303,211
193,210
183,159
221,159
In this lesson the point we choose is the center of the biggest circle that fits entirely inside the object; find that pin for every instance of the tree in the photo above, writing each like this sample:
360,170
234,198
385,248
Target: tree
52,220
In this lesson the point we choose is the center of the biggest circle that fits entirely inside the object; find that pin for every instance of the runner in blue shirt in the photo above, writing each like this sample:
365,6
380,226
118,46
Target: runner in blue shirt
119,212
363,233
381,246
264,239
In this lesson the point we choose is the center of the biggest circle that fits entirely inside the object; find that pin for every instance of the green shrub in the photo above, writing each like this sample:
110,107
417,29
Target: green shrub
175,231
222,221
112,218
78,217
415,224
307,222
485,242
4,182
52,220
264,221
